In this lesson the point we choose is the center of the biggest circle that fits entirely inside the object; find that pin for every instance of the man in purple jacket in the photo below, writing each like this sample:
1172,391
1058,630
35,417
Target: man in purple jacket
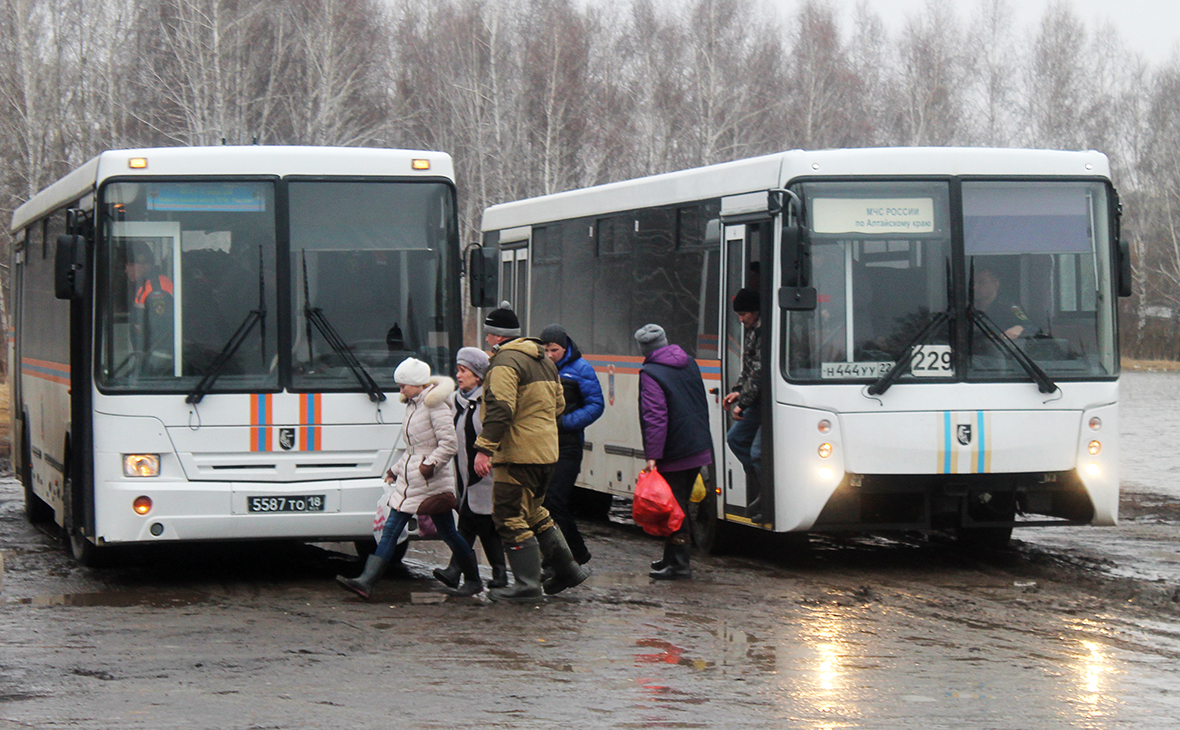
674,417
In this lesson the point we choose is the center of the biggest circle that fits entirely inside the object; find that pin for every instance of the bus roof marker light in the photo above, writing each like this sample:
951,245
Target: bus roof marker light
825,450
141,465
137,163
1092,470
1095,423
420,164
824,426
1094,447
825,473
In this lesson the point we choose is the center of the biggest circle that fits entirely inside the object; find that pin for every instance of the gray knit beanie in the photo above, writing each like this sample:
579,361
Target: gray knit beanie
502,322
650,337
474,359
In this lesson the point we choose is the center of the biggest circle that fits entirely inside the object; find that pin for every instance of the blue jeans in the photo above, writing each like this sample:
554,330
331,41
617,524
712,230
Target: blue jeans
444,522
745,439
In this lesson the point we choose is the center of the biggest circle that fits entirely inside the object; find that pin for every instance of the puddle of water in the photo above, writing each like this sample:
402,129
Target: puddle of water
119,599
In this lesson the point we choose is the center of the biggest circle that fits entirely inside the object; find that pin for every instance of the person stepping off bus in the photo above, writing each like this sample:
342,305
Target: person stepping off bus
745,399
674,418
522,402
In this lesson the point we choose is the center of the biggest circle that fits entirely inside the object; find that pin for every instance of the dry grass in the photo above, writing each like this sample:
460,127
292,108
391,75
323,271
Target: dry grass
1151,366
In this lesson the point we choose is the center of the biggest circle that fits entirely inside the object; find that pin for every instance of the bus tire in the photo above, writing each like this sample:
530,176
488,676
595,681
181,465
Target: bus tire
37,511
591,505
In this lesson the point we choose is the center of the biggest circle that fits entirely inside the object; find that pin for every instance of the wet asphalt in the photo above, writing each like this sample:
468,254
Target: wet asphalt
896,631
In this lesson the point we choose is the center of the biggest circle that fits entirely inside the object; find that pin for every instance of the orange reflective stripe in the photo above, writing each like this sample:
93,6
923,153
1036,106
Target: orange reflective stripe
146,288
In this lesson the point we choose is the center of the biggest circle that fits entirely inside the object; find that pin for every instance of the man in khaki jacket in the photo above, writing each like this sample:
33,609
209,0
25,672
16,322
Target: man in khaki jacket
518,445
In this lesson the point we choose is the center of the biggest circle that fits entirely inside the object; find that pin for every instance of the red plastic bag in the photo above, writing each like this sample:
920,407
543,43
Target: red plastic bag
654,508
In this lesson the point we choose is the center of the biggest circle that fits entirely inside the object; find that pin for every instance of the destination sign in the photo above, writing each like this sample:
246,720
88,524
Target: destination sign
873,215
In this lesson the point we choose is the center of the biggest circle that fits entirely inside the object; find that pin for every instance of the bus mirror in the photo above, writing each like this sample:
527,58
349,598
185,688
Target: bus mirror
797,294
713,232
70,267
1124,269
482,270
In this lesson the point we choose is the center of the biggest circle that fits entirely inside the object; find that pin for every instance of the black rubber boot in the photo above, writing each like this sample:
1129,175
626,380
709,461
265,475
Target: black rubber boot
525,559
471,580
363,584
662,562
499,576
449,576
566,571
678,567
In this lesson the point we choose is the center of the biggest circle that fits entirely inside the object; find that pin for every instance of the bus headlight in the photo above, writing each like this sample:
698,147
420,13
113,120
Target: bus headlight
142,505
1095,448
1092,470
141,465
825,450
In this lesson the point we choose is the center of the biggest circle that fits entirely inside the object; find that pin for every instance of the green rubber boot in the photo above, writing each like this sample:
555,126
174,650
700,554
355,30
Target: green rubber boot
525,559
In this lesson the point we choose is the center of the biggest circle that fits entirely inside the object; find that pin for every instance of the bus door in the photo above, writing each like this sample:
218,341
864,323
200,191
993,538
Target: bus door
743,252
514,277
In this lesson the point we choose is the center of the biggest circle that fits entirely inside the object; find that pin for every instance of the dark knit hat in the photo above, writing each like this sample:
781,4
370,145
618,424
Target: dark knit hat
650,337
502,322
746,301
556,335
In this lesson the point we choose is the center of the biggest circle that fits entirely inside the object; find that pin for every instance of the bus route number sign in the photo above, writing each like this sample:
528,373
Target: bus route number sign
932,361
309,503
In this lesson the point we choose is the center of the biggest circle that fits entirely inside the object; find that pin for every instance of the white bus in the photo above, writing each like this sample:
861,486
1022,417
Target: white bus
900,392
204,338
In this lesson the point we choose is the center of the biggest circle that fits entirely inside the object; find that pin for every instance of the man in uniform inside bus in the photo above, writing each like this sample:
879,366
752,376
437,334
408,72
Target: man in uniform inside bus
151,314
522,401
1006,314
745,399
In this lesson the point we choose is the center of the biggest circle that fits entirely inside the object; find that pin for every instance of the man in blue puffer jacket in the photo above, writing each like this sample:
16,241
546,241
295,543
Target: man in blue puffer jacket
583,406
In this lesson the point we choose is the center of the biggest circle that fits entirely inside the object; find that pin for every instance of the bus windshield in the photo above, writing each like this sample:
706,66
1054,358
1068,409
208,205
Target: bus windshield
881,256
1036,292
371,258
189,278
1038,257
185,265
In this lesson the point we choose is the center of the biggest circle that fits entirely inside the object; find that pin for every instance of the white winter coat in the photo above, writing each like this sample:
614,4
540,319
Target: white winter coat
429,432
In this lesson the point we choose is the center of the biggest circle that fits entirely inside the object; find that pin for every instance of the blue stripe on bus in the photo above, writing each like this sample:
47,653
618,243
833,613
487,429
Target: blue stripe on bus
982,442
946,437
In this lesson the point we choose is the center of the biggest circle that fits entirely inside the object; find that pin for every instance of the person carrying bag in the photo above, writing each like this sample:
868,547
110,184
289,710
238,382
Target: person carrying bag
422,480
674,418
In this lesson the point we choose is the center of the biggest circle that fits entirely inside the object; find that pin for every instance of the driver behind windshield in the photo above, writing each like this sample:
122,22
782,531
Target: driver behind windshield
1006,313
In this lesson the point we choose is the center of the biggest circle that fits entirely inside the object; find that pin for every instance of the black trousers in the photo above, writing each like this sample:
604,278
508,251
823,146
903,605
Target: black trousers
557,500
681,483
472,525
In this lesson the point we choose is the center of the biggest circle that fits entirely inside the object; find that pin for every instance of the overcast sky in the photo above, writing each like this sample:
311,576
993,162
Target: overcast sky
1151,27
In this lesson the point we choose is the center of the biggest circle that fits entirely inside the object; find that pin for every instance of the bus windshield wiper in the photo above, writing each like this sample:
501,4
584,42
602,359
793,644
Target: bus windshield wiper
315,316
993,332
231,346
255,316
890,377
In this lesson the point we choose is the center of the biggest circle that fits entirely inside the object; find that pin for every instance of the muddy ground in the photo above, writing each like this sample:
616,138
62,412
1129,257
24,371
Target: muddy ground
860,632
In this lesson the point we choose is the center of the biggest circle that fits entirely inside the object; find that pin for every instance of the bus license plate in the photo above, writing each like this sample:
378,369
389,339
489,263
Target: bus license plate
310,503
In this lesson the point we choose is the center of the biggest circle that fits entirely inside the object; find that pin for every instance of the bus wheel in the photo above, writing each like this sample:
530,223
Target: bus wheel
86,553
710,533
591,505
36,509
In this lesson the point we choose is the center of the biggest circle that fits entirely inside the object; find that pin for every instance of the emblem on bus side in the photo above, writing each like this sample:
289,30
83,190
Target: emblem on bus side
287,438
963,432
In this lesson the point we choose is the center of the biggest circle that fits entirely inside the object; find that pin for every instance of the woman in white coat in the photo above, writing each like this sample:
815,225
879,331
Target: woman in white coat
424,470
